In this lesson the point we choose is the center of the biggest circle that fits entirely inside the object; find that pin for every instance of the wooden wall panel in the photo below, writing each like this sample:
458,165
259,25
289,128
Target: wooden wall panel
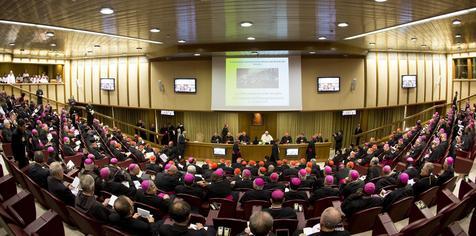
74,79
133,78
113,72
412,70
443,77
382,79
95,84
429,77
81,81
371,80
144,82
67,79
393,79
421,78
88,81
104,73
122,82
403,69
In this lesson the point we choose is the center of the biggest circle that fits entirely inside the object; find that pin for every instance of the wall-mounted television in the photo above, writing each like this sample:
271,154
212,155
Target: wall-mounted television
167,113
185,85
349,112
328,84
108,84
409,81
292,152
219,151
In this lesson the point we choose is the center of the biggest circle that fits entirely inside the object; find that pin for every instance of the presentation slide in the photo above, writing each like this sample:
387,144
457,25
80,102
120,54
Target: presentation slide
256,83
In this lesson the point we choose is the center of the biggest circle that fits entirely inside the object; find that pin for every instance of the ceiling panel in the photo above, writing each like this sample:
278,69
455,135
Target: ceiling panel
217,21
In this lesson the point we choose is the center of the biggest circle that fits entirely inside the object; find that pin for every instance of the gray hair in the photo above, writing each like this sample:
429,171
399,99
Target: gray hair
55,169
87,183
191,169
330,218
261,223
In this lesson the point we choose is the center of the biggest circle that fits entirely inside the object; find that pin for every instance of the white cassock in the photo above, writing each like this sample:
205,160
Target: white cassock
266,138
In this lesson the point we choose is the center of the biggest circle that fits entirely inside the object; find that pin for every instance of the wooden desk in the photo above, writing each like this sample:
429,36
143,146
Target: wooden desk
202,151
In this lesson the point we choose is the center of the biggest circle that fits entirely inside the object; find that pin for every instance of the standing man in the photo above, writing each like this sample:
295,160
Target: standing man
338,140
357,131
152,136
18,144
39,97
311,149
224,131
141,133
181,144
90,114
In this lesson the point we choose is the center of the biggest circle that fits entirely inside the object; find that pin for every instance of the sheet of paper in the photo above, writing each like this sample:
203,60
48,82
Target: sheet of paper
137,184
70,165
163,157
75,191
112,199
143,213
411,182
125,183
148,155
313,230
75,183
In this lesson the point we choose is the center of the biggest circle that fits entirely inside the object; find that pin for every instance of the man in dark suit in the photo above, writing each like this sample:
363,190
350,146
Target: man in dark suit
439,150
86,201
245,182
258,193
180,212
448,172
125,218
189,187
286,139
7,131
37,172
148,195
294,193
301,138
216,138
56,186
311,149
167,181
277,211
426,180
18,144
357,131
68,149
326,191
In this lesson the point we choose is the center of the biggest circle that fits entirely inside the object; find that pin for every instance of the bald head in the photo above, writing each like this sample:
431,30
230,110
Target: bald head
330,219
261,223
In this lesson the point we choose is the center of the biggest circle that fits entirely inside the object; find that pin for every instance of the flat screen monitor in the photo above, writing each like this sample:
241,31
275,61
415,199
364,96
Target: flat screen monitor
219,151
185,85
292,152
328,84
409,81
349,112
108,84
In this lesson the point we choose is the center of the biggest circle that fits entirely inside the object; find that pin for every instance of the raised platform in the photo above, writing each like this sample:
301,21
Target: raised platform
202,151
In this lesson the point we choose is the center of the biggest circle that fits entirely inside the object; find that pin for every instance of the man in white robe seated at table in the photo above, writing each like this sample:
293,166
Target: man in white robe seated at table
266,138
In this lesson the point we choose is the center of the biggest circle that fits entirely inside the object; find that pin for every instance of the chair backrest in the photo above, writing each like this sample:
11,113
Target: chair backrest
57,205
429,196
1,170
111,231
290,225
35,189
450,184
47,224
87,225
361,169
236,226
102,162
17,173
76,159
422,226
22,208
227,207
291,203
400,209
376,179
248,207
194,201
125,164
321,204
197,218
390,187
363,220
153,210
7,149
313,221
8,187
7,162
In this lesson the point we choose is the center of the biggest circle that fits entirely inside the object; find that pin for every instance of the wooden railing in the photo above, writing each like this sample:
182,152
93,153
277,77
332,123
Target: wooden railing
396,124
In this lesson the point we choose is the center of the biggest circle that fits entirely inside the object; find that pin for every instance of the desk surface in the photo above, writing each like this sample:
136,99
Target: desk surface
202,151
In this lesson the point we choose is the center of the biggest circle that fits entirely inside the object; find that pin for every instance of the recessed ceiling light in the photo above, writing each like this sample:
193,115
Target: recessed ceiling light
181,41
138,48
97,46
343,24
90,51
413,39
154,30
458,35
246,24
11,44
197,54
372,44
380,0
312,52
106,11
49,34
21,49
322,38
423,46
53,44
251,38
456,22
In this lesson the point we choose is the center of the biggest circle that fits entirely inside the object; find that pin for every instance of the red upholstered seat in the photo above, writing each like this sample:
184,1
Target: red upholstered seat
102,162
321,204
235,225
422,227
58,206
7,149
197,218
227,207
303,203
400,209
22,208
48,224
8,187
86,224
195,202
76,159
248,207
363,220
313,221
35,189
111,231
450,184
283,225
153,210
125,164
429,196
